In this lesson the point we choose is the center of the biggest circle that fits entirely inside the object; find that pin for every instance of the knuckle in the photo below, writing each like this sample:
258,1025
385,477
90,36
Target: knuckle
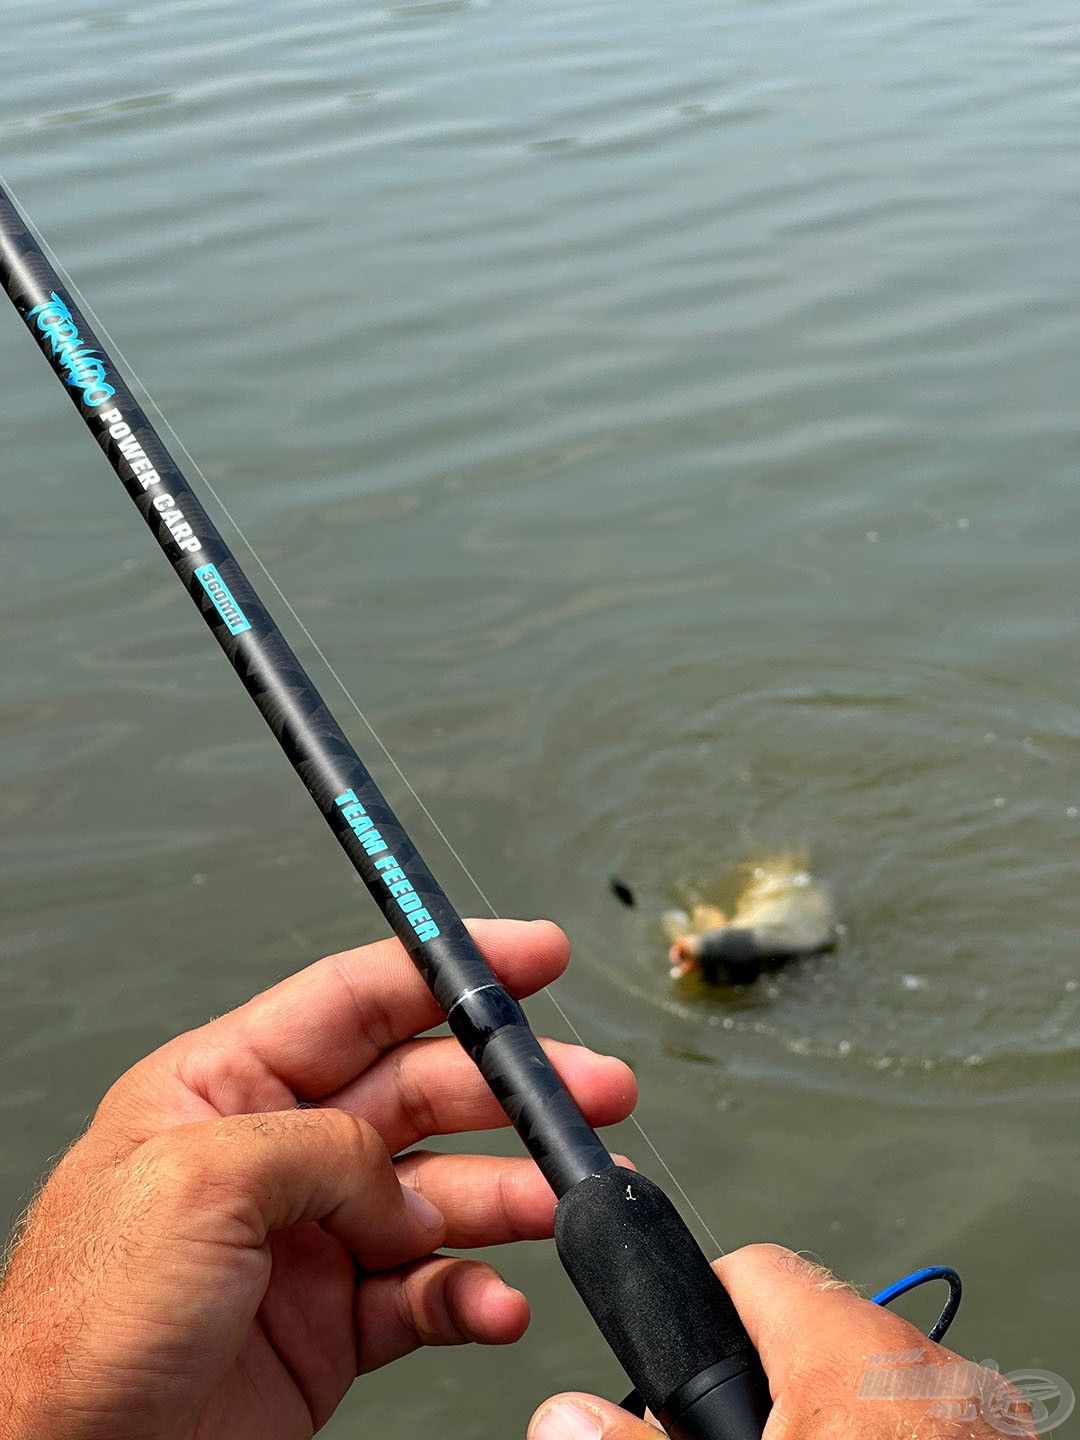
812,1269
414,1103
348,1133
759,1258
426,1301
208,1179
126,1095
180,1164
766,1252
372,1020
509,1207
191,1165
766,1260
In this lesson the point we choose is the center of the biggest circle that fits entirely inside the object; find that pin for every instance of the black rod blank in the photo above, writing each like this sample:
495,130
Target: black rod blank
484,1017
646,1282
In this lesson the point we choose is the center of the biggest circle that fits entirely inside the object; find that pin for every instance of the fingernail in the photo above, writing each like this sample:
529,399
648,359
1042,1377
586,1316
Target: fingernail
566,1421
422,1210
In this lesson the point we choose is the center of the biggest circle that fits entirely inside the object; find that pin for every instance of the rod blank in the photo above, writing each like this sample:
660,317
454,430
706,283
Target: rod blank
648,1286
489,1023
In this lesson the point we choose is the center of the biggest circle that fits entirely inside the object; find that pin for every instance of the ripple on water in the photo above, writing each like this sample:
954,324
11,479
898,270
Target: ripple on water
947,843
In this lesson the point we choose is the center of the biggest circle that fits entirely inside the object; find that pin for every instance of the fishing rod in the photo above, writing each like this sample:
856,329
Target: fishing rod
646,1282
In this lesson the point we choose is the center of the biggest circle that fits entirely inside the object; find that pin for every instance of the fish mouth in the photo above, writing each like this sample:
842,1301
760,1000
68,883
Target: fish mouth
683,958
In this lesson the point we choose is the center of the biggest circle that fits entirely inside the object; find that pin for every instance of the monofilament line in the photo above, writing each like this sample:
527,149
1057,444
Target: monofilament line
318,650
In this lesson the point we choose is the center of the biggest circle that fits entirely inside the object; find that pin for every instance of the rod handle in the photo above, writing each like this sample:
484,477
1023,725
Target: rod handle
661,1308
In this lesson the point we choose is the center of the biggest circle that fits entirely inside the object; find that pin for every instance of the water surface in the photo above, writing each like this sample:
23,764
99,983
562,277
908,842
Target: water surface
665,419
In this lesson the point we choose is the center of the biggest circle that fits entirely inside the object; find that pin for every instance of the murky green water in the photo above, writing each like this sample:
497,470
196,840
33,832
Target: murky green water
665,418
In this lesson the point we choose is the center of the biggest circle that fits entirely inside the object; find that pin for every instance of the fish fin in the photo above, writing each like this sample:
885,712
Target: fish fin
707,917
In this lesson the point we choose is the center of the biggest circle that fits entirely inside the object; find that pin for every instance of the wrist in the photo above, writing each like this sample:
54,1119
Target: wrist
16,1404
30,1414
34,1348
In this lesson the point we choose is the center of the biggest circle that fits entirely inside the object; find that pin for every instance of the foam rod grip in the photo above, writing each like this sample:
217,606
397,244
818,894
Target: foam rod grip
660,1307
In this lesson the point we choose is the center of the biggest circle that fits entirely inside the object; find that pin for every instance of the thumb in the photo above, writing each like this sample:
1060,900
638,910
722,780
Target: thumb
796,1311
239,1178
586,1417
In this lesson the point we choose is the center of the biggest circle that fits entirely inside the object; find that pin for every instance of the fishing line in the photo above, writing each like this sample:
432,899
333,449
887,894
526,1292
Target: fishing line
133,374
645,1280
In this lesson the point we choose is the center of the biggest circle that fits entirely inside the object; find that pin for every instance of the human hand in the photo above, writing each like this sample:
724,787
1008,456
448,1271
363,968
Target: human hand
818,1340
230,1243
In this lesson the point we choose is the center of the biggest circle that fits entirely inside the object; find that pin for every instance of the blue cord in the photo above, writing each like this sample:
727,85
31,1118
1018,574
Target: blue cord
920,1277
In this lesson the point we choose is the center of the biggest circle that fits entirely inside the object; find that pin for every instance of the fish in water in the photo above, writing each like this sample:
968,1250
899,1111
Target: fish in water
781,914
